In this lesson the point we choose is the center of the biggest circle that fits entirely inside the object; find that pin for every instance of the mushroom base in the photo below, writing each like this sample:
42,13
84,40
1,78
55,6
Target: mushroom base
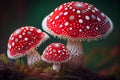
56,67
76,62
76,51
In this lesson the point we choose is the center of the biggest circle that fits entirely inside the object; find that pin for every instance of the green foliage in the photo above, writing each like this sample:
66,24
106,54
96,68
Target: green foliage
40,64
37,70
22,66
48,70
4,59
17,63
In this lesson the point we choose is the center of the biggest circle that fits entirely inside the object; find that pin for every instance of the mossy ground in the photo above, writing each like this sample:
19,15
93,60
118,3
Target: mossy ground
18,70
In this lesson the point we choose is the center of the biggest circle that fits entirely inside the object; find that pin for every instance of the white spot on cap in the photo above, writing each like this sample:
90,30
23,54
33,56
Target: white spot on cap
70,8
50,52
98,19
18,48
65,13
54,50
103,14
26,39
51,13
55,54
53,22
29,43
83,11
78,5
20,36
80,30
22,28
13,43
87,17
59,51
73,10
29,32
23,33
79,15
50,49
50,19
31,29
66,23
60,13
66,8
71,17
56,45
93,17
96,28
12,38
87,27
39,31
56,9
96,9
9,46
61,26
17,31
80,21
93,11
78,11
70,28
56,17
60,8
16,40
27,27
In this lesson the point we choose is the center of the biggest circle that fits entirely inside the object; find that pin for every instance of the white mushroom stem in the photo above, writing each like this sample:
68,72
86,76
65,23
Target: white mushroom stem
32,57
56,66
76,51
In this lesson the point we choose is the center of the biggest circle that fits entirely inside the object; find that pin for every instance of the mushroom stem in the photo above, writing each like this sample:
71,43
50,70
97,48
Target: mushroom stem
76,51
33,56
56,66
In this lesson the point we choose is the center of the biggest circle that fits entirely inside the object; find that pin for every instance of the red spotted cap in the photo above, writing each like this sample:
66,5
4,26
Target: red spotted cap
56,53
77,20
23,40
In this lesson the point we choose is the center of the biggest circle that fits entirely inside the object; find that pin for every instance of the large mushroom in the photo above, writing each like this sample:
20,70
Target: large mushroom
56,53
77,21
24,41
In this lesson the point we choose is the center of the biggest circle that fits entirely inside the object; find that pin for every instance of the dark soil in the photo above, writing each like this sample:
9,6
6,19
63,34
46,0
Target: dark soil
7,73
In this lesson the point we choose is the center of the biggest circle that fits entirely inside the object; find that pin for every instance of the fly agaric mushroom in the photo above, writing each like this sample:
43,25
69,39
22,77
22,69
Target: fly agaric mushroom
77,21
56,53
24,41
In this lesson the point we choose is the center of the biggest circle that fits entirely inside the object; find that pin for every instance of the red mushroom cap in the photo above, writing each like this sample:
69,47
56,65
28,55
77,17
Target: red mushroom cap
77,20
56,53
23,40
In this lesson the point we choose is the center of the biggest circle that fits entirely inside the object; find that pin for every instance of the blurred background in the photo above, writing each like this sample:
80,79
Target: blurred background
101,56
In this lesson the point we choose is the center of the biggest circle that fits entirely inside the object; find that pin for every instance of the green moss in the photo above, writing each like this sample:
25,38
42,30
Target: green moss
37,70
48,70
17,63
22,66
4,59
40,64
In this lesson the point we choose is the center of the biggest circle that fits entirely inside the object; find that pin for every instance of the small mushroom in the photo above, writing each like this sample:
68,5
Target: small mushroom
56,53
76,22
24,41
